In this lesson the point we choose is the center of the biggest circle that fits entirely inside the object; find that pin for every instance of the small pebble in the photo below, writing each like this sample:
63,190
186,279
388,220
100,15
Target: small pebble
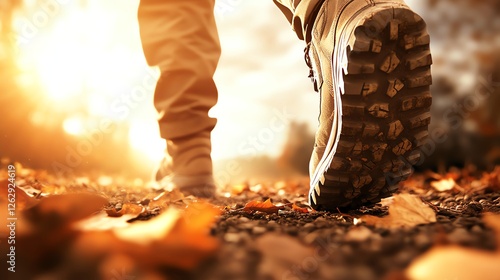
259,230
232,237
243,219
483,201
476,229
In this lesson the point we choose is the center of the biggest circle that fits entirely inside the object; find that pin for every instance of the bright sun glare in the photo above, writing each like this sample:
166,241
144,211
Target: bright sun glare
79,56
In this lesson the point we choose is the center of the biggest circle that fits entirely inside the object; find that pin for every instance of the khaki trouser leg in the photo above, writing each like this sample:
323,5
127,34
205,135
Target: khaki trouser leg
180,36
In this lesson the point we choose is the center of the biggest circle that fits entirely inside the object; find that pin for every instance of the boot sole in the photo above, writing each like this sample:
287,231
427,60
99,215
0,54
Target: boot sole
384,83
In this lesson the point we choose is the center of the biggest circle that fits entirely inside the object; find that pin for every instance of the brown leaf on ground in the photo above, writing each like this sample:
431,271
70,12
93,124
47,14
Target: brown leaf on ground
444,185
52,189
127,208
266,206
455,262
299,209
174,238
492,180
65,209
151,230
406,211
489,181
17,196
32,191
165,198
103,221
46,229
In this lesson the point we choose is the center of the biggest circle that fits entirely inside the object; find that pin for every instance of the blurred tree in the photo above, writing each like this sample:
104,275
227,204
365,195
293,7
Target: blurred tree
298,148
466,41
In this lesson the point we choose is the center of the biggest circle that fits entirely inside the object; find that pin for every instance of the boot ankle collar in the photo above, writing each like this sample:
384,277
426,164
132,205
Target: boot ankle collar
307,12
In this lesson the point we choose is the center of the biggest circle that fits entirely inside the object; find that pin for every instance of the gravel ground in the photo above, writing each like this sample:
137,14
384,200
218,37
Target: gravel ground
294,242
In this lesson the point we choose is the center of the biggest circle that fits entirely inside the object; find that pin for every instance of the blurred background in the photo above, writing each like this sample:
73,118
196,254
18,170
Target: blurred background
76,92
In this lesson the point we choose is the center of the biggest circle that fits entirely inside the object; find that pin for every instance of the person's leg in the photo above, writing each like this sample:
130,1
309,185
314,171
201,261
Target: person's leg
181,38
370,62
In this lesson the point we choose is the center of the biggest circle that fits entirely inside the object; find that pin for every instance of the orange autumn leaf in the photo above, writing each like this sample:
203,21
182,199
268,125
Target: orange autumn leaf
127,208
299,209
165,198
16,195
174,238
456,262
406,210
266,206
492,180
52,189
67,209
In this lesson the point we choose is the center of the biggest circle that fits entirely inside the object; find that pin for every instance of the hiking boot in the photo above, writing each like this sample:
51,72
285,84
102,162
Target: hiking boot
188,166
371,65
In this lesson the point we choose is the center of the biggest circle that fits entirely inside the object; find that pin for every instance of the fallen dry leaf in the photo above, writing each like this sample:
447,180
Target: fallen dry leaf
165,198
454,262
52,189
151,230
103,221
31,191
406,211
175,238
65,209
266,207
492,180
21,199
127,208
444,184
299,209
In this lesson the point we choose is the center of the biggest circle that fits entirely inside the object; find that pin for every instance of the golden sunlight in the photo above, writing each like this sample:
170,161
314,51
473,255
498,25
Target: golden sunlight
144,139
81,64
74,126
86,60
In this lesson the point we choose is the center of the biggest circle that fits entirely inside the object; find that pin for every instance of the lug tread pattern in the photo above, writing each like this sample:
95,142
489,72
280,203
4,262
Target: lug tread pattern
386,112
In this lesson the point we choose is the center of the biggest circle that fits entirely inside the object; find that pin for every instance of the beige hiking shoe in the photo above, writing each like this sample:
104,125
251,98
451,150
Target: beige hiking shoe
187,166
370,61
